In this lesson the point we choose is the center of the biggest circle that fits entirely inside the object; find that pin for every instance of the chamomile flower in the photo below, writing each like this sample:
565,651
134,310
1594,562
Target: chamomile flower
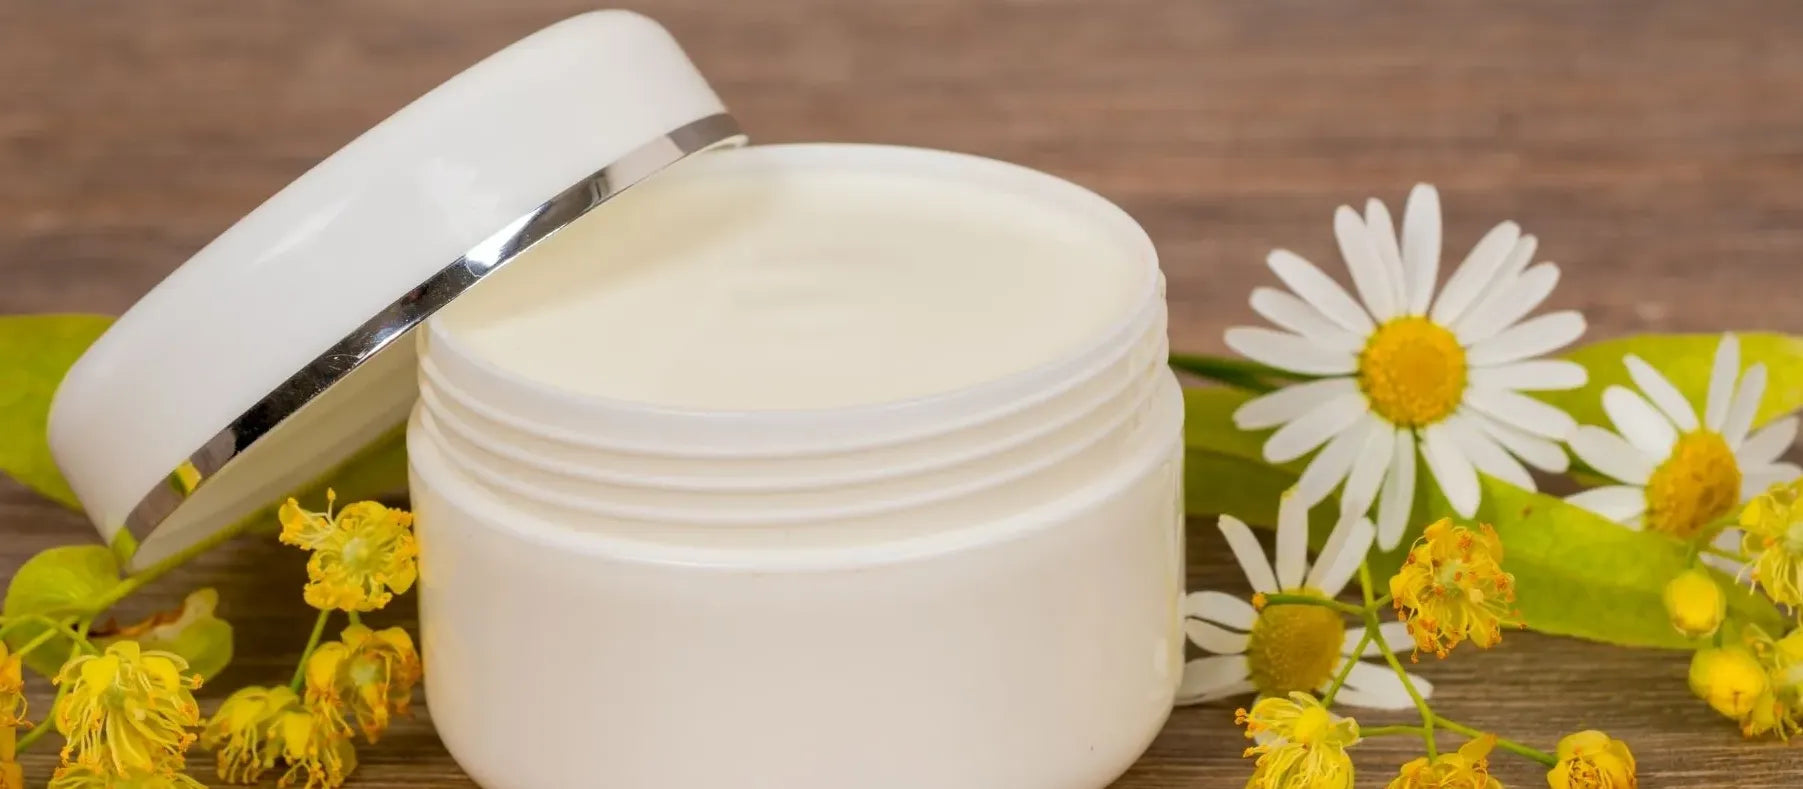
1407,371
1284,649
1682,471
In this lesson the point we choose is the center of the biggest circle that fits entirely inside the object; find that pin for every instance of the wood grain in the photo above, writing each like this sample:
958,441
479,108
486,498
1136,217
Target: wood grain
1655,147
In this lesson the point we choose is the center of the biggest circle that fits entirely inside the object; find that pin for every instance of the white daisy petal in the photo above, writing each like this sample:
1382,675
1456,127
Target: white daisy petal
1451,469
1331,573
1530,338
1214,638
1470,279
1639,422
1612,455
1769,443
1507,303
1382,231
1533,375
1721,382
1220,608
1318,289
1290,402
1284,309
1615,502
1378,687
1368,274
1757,480
1286,351
1486,456
1395,633
1659,389
1214,677
1533,450
1314,428
1521,412
1744,406
1292,541
1397,502
1728,540
1368,471
1421,245
1248,553
1330,467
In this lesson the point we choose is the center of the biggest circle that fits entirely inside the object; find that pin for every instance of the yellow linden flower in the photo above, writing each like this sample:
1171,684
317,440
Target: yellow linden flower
12,776
12,690
1695,603
1592,760
238,733
1469,768
128,711
1452,587
1737,684
371,672
1304,747
1772,526
316,746
362,556
88,776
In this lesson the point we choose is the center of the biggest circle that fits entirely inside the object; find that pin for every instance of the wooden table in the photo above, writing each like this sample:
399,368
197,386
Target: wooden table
1655,147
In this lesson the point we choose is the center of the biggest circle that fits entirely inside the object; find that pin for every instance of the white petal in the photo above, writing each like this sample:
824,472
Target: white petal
1527,339
1758,479
1638,422
1214,677
1450,467
1368,471
1248,553
1329,467
1286,351
1214,638
1377,291
1472,276
1331,572
1721,382
1612,455
1377,687
1290,402
1320,290
1615,502
1485,455
1395,634
1421,245
1284,309
1507,303
1314,428
1382,231
1659,389
1534,450
1521,412
1533,375
1398,499
1292,541
1744,406
1769,443
1728,540
1220,608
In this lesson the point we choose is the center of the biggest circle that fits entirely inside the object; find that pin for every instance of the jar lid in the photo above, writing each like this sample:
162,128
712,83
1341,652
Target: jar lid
281,349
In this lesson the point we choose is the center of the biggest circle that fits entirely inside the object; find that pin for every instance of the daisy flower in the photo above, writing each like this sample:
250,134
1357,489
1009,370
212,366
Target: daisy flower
1402,370
1683,472
1288,649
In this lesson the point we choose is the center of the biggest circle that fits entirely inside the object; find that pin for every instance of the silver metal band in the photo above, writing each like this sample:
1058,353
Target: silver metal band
399,318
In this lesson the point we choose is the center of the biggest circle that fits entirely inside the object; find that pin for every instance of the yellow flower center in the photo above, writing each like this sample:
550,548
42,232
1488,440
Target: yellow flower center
1294,648
1412,370
1694,487
1312,726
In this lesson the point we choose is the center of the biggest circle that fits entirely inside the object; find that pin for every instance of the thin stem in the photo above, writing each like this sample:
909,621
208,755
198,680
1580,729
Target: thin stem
1233,372
1379,602
1283,598
138,579
62,688
1714,551
356,619
1381,731
1339,680
1374,629
1508,745
300,671
42,639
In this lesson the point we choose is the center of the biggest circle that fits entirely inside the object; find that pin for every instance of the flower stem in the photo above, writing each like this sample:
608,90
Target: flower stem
1373,628
356,619
1508,745
138,579
1339,680
300,671
1284,598
1381,731
1233,372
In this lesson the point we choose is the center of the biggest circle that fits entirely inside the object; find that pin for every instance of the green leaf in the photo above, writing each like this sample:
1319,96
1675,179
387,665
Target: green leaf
35,352
191,630
1224,467
1686,359
59,579
1579,574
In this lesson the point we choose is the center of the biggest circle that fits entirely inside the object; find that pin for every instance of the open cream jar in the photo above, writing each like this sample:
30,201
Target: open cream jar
799,467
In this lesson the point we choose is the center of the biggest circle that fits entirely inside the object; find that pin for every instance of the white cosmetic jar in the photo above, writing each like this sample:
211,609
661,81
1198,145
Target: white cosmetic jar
971,587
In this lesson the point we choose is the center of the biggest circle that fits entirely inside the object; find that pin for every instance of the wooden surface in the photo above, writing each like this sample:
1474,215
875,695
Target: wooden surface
1655,147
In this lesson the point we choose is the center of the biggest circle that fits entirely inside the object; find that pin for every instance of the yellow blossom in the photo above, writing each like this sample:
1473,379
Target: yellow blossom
362,555
1469,768
1772,525
316,746
238,734
1695,603
12,690
370,672
127,712
1592,760
12,776
1452,587
89,776
1303,748
1738,684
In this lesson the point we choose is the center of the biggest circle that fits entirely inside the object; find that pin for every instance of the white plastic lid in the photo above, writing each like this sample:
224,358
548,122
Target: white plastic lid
279,350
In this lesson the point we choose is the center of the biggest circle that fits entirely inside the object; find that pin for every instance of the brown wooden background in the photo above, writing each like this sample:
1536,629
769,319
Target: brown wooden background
1655,147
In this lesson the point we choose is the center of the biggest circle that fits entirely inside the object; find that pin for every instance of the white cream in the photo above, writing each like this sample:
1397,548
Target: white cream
729,285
